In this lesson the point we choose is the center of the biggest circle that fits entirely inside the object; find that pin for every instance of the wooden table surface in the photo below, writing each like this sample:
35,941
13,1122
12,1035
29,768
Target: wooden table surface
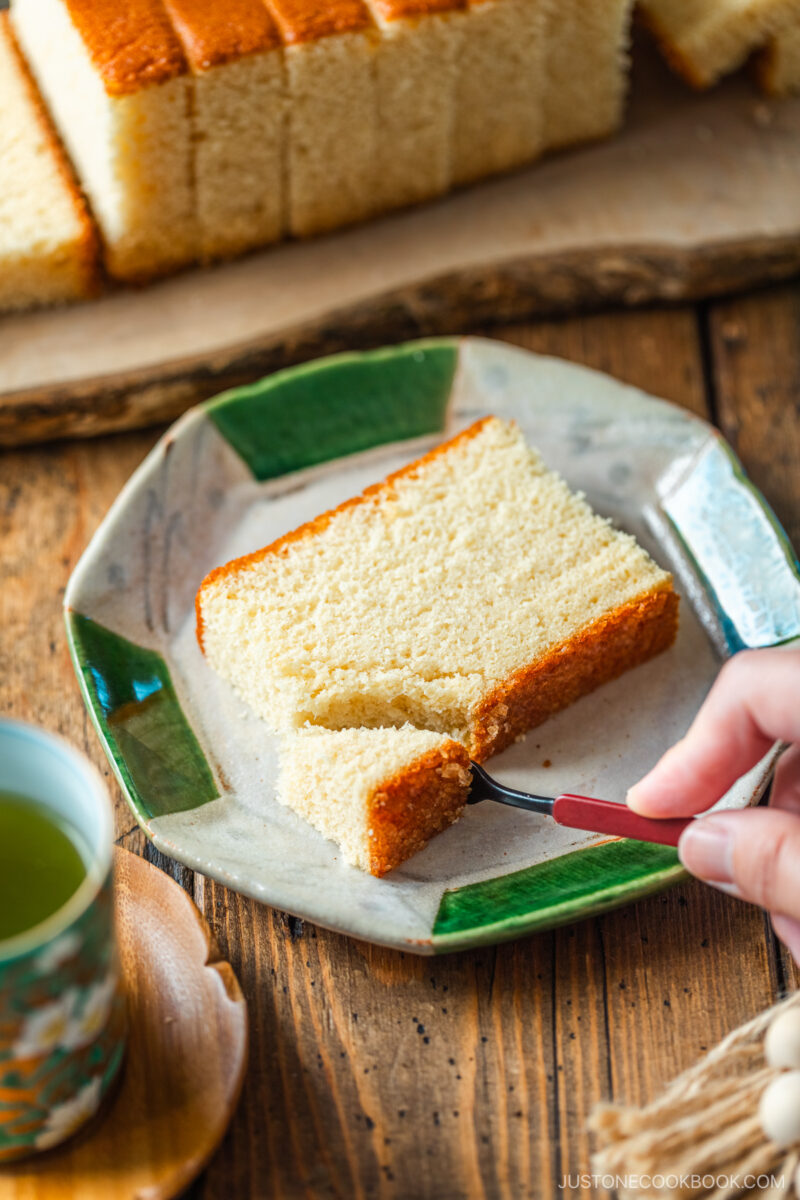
379,1074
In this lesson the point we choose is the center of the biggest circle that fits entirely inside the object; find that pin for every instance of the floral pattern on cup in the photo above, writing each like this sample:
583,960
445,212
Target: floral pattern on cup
62,1026
66,1118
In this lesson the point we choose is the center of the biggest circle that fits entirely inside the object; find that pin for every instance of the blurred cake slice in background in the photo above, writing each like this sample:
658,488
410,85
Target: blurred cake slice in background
332,127
778,65
416,64
587,68
706,39
380,794
238,111
48,249
500,91
115,81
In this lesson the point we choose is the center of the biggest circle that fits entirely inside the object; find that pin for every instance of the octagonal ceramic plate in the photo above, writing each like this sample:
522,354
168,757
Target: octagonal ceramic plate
198,768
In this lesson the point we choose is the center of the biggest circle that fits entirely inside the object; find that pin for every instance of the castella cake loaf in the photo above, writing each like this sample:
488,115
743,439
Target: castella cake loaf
48,250
415,73
115,80
332,124
238,112
706,39
499,106
471,593
587,68
380,794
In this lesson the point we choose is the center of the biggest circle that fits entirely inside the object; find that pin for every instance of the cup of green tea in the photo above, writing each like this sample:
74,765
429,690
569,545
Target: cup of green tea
62,1018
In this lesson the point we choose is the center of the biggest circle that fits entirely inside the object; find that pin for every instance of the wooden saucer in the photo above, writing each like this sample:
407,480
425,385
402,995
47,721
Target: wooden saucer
184,1064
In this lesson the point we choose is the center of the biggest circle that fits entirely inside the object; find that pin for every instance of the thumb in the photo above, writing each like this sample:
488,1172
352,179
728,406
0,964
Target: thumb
755,852
789,933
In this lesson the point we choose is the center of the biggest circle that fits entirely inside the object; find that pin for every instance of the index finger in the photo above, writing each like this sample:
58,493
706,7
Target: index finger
754,702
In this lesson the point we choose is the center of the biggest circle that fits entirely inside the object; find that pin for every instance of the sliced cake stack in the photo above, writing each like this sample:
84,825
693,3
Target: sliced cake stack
200,130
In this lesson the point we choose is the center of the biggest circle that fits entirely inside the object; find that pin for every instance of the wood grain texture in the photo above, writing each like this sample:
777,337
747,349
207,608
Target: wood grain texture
376,1074
755,352
457,302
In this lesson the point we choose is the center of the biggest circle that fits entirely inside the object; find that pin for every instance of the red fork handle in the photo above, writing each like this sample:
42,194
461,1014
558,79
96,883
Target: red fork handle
606,816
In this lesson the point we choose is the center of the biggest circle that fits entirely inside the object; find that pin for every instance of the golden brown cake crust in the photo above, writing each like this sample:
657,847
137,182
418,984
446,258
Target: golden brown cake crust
395,10
130,42
619,640
320,523
415,804
89,246
308,20
213,33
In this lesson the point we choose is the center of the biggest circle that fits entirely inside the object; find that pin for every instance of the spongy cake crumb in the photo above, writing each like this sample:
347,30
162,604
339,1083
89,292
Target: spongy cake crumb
424,599
380,794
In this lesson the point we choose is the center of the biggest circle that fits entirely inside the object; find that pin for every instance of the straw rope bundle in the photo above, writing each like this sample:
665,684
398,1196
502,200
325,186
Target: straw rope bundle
730,1120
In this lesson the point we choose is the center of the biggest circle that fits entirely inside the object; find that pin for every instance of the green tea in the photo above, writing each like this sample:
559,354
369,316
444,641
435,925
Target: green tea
41,864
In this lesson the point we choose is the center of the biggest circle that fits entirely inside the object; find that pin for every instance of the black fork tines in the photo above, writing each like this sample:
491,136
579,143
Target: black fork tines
486,788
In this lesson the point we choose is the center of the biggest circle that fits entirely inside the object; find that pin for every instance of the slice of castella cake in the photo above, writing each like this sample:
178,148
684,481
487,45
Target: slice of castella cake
331,155
471,593
416,66
706,39
48,248
238,115
778,64
587,68
500,92
380,794
115,80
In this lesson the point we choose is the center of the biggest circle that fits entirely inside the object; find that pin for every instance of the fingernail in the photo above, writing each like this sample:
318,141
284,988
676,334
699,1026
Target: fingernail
706,849
632,799
730,889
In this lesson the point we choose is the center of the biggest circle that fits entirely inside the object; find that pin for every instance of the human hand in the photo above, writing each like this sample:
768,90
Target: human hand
755,853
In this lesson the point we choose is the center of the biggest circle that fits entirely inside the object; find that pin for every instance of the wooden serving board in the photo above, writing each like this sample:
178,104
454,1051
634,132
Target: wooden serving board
699,195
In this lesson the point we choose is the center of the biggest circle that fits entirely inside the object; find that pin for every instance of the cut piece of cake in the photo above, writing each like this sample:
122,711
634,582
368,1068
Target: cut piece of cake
48,247
778,64
587,67
706,39
115,80
380,794
416,79
238,115
332,124
471,593
501,85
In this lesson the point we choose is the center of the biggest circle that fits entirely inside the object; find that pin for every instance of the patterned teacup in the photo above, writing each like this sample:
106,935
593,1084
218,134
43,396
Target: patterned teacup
62,1015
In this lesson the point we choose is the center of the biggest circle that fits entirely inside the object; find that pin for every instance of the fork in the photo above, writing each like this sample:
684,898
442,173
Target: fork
580,812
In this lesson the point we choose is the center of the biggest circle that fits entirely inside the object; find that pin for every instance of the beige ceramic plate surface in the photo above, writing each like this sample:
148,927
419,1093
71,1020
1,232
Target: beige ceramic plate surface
184,1065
